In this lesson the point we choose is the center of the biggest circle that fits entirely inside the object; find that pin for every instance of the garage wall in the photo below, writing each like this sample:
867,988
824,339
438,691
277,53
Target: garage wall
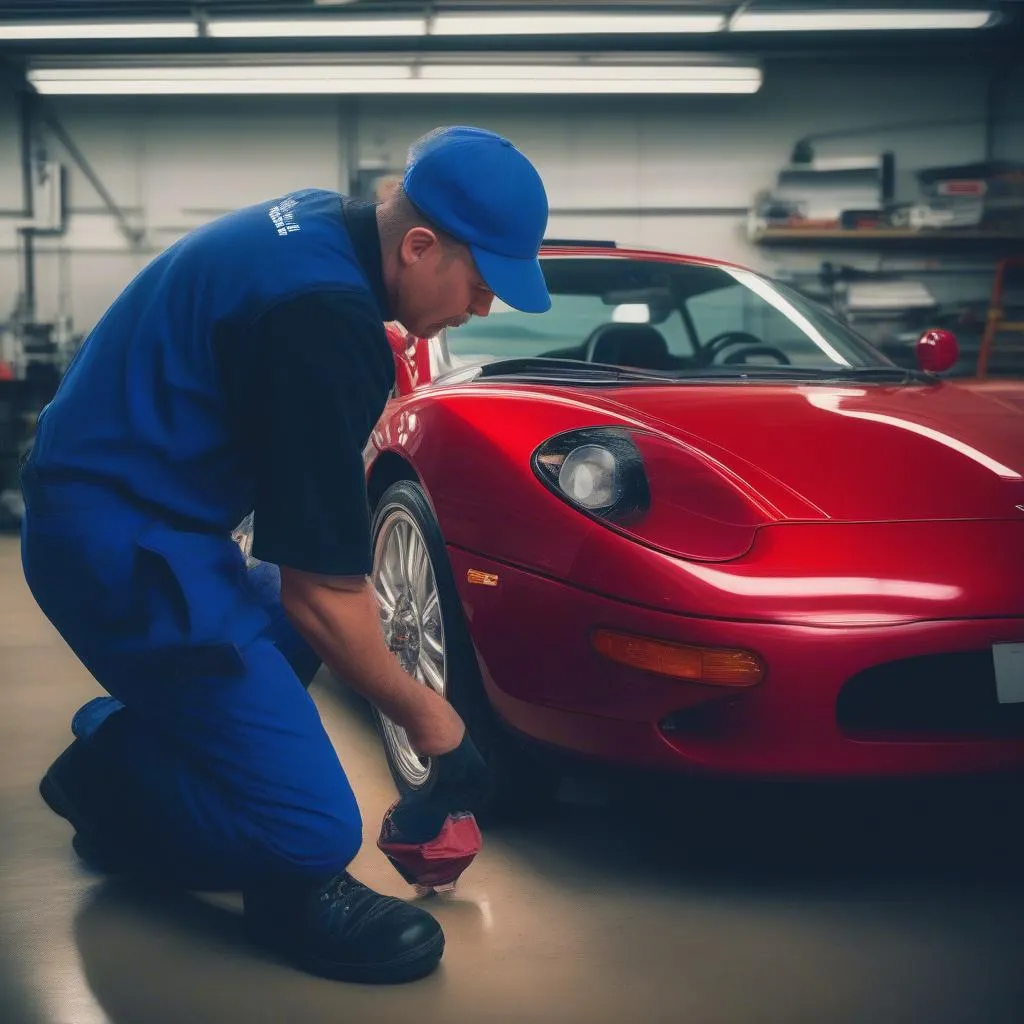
638,171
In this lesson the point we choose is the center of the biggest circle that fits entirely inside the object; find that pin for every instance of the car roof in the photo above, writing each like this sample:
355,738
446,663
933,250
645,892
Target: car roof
557,248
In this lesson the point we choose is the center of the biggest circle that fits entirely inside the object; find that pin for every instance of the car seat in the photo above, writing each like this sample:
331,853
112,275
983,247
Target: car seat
636,345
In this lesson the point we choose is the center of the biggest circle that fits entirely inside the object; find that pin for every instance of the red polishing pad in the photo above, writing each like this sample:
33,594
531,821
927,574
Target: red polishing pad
441,860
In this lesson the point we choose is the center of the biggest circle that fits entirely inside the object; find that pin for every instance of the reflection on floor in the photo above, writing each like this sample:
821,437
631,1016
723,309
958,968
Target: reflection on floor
820,906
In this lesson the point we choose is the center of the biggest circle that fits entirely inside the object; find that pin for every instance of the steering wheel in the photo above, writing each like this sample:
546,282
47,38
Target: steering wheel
740,356
726,340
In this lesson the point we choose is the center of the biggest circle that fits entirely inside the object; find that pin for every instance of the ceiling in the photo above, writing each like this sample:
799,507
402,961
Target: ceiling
35,10
1000,43
30,9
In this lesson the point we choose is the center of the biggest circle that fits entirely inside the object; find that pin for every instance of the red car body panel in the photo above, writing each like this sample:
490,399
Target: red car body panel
545,679
831,530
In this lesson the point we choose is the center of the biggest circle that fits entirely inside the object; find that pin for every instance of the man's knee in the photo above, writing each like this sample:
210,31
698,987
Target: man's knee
235,770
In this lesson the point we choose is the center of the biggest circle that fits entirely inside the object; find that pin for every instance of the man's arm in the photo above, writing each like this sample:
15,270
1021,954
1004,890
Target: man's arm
340,620
306,382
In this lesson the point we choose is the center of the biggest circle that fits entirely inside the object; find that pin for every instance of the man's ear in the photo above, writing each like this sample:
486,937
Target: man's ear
416,244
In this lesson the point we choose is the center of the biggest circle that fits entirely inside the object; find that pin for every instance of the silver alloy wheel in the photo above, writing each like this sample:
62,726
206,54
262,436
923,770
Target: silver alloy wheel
410,613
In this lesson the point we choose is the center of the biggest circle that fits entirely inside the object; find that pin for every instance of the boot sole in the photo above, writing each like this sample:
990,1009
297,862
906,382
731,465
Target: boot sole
412,965
85,845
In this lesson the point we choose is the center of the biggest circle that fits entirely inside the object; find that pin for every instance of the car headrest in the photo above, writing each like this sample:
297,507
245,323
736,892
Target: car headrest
638,345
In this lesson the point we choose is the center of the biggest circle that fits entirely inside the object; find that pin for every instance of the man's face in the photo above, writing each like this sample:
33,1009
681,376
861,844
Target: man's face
438,285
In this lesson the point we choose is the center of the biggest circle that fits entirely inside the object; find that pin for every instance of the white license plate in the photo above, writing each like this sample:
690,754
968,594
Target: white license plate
1009,663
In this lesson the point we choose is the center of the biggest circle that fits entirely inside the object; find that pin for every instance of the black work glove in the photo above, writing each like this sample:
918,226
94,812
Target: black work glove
463,783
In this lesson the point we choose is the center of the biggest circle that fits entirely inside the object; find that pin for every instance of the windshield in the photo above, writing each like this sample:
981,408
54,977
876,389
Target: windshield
670,319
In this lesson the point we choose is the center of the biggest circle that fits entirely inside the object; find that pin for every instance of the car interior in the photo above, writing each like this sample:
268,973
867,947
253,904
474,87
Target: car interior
643,347
643,314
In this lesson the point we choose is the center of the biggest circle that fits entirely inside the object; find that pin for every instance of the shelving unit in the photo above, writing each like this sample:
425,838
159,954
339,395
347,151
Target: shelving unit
895,250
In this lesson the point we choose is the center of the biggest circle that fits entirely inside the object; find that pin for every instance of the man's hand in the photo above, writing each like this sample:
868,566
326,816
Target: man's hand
340,619
462,784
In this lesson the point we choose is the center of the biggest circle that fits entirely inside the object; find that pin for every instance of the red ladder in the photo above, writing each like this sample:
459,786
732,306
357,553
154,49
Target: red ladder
995,323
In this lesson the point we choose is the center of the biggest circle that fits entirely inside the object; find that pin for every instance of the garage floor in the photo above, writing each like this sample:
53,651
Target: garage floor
734,905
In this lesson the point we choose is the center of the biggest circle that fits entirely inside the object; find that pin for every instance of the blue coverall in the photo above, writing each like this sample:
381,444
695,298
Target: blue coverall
220,771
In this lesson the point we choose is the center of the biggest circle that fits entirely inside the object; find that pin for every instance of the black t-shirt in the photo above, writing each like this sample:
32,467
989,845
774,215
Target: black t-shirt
306,382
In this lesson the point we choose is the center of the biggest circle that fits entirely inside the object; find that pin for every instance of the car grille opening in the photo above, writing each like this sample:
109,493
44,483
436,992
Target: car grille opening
945,696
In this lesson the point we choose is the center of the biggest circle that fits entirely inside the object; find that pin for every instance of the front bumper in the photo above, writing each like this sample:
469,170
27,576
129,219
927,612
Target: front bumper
832,702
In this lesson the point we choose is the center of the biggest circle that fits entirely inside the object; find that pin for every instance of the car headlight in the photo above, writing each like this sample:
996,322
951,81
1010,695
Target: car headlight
589,476
598,469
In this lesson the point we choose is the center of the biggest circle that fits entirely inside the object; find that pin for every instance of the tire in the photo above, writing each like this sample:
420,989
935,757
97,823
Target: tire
415,624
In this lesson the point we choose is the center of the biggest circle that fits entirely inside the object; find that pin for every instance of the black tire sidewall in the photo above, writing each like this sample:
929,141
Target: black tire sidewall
463,686
520,782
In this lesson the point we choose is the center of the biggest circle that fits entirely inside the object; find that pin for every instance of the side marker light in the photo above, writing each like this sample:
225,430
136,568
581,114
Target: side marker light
482,579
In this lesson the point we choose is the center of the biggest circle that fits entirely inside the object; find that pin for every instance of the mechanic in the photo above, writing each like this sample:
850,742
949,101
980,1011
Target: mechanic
243,370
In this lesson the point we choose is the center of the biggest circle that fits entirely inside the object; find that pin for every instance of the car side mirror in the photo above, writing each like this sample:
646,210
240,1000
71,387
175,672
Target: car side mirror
937,350
412,358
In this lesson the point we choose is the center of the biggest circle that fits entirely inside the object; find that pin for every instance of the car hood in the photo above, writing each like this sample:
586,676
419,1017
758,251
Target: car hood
852,453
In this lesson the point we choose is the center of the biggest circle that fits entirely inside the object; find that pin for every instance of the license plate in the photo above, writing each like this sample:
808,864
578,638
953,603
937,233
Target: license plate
1009,664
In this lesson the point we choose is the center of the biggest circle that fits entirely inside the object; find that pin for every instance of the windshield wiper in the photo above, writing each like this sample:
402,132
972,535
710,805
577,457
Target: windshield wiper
896,374
542,368
889,372
539,367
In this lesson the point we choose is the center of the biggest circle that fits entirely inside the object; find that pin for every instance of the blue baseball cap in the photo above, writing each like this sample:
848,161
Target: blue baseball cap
481,190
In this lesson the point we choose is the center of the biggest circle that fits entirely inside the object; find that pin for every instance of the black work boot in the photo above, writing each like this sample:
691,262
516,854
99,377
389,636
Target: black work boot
75,789
345,931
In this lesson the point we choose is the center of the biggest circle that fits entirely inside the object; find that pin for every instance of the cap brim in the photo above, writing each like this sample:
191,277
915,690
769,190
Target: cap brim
518,283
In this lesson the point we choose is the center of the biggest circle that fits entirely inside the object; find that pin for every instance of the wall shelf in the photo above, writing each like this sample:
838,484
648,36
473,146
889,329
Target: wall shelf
896,238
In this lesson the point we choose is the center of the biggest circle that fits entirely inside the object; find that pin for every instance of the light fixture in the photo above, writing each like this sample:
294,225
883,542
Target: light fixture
404,77
858,20
574,24
25,32
315,28
496,25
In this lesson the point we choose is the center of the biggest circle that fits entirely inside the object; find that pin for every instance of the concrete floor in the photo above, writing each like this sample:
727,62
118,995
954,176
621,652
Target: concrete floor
899,904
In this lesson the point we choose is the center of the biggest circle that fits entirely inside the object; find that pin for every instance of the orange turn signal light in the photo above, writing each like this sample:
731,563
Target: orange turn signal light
712,665
482,579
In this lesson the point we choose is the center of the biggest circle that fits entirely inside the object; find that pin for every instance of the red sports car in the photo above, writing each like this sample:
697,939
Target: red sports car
689,521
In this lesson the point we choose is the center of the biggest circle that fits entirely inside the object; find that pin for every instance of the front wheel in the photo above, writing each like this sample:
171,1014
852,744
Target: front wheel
425,628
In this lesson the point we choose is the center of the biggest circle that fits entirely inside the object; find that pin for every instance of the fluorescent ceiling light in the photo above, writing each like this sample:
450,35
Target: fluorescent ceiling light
864,20
573,24
310,28
370,79
217,73
595,73
101,30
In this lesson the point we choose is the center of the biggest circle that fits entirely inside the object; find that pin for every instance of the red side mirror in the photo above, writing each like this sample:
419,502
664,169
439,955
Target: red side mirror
412,358
937,350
